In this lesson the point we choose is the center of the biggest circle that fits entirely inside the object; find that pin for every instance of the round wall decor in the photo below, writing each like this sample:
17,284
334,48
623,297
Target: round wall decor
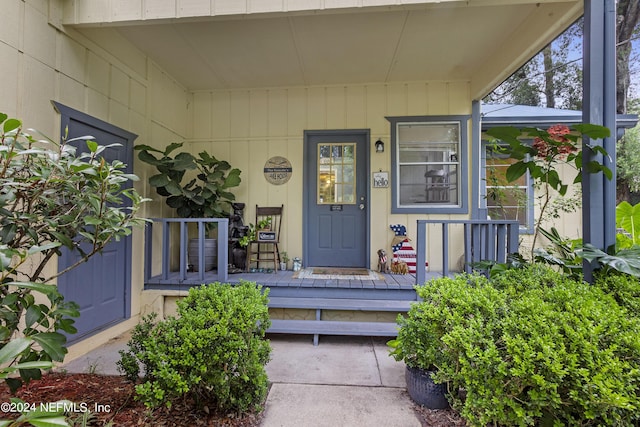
277,170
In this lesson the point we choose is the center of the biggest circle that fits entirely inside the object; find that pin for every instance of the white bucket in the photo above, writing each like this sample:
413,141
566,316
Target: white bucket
210,253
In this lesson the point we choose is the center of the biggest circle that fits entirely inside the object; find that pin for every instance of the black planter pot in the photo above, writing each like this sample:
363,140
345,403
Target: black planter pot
424,391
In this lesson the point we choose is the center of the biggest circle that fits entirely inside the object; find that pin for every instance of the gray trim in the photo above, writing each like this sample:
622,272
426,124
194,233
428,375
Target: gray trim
67,114
463,208
477,149
306,177
599,193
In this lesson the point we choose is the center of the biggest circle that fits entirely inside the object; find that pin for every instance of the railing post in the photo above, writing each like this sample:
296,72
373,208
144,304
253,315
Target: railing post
165,249
468,228
148,249
445,249
183,250
201,260
223,249
421,252
501,255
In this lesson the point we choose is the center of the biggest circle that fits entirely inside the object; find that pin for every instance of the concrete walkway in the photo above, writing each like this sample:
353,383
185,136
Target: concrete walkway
344,381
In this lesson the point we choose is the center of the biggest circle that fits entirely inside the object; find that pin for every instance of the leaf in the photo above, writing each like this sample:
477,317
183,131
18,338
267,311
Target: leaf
593,131
11,124
43,288
628,218
159,180
43,248
92,145
233,179
516,170
33,315
49,422
52,343
505,133
13,349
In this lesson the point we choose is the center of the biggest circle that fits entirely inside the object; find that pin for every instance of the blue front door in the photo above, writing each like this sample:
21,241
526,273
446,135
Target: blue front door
102,285
336,198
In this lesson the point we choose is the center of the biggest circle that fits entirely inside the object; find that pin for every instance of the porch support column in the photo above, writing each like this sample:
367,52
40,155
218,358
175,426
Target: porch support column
599,107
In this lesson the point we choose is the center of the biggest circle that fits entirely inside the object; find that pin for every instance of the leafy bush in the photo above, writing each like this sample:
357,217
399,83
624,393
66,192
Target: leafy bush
623,287
213,353
531,347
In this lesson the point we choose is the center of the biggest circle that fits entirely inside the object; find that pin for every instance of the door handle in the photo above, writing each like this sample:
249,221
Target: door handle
361,206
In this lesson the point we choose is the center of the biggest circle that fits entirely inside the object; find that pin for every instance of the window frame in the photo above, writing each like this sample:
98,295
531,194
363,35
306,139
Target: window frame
530,191
462,121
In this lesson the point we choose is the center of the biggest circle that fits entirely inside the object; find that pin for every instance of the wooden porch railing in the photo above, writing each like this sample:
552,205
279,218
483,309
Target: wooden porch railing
483,240
167,246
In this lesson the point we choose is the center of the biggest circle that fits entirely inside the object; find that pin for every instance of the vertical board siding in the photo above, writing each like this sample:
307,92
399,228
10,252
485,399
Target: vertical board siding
247,127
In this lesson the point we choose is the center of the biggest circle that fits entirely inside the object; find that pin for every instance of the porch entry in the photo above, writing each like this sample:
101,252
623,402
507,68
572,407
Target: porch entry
336,209
102,285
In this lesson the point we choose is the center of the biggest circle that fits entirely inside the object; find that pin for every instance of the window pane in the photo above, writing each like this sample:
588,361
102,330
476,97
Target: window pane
336,173
505,200
428,162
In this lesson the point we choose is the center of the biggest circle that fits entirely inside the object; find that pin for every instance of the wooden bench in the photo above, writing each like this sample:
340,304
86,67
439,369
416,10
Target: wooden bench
319,327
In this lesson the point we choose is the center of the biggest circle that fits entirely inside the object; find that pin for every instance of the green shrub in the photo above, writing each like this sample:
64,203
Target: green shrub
623,287
529,348
213,353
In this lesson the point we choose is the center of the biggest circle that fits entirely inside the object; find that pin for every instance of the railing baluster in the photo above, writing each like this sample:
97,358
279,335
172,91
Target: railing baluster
183,252
148,244
421,252
467,247
183,238
165,250
201,260
223,250
501,255
483,240
445,249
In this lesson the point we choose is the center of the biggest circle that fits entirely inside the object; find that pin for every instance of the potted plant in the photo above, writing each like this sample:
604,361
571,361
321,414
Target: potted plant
418,345
284,259
252,231
204,193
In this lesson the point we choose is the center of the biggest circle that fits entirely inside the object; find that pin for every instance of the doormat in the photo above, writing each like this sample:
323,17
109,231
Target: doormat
335,273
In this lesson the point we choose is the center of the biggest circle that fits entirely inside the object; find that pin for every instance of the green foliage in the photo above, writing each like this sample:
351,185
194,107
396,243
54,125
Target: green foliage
623,287
206,195
213,353
250,235
628,219
550,148
628,153
50,197
530,347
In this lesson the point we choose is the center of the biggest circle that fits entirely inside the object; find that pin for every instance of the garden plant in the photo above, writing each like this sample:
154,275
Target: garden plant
529,347
213,353
52,196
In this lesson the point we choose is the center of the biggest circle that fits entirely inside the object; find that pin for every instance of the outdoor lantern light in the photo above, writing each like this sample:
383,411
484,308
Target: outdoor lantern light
379,146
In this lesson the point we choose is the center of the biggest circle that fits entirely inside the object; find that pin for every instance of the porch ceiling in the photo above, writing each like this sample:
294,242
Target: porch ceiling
446,41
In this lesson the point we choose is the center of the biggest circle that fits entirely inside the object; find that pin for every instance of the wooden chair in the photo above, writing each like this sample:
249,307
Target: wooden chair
264,249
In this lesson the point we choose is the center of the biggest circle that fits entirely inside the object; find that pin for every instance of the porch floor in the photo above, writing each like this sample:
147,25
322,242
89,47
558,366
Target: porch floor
287,279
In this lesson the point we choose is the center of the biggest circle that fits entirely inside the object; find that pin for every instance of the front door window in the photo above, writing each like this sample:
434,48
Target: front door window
336,173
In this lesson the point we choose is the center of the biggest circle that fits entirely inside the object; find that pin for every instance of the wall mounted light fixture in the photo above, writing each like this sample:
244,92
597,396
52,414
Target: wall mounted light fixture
379,146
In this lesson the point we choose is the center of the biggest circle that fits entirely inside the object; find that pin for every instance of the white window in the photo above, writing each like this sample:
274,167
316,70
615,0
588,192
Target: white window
429,164
506,200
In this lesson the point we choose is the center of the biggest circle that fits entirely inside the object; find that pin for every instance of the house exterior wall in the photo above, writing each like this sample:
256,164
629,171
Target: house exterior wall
42,62
247,127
